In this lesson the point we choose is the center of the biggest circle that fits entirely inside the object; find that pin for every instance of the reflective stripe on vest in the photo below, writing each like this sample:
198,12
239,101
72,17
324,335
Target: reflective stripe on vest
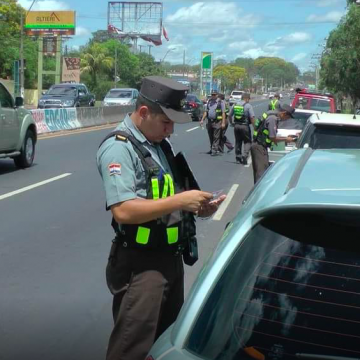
273,104
238,112
218,114
143,233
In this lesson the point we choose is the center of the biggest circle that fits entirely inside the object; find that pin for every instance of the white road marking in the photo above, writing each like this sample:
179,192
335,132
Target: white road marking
30,187
221,210
249,162
192,129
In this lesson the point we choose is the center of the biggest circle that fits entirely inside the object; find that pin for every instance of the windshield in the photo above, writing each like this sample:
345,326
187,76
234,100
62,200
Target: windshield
279,297
237,93
313,104
122,94
62,90
298,123
332,137
191,98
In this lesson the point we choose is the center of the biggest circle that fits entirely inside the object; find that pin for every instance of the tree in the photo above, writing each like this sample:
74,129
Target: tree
230,75
146,67
95,60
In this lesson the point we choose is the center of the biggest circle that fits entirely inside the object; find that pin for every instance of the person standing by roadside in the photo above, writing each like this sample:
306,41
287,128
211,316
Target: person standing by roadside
241,116
151,205
224,139
216,122
274,103
265,134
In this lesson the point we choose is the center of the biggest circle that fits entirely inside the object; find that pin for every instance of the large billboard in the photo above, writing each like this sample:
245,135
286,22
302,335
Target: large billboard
206,74
50,22
71,70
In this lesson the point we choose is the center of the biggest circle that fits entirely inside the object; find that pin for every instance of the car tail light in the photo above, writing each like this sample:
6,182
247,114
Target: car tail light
193,104
149,358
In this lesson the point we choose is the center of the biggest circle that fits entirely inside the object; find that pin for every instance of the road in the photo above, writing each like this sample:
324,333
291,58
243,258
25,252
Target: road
56,237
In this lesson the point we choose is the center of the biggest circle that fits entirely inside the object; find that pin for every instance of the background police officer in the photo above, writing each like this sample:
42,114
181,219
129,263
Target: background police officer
241,116
265,134
145,269
224,141
216,122
274,103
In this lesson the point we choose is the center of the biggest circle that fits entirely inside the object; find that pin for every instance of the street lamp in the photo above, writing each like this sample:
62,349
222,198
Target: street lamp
172,49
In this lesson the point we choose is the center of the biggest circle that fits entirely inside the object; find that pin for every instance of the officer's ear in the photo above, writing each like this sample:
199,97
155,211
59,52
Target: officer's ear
144,112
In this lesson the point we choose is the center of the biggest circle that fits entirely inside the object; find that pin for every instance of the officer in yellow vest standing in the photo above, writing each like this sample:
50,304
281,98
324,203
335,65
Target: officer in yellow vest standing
274,104
265,134
153,218
241,116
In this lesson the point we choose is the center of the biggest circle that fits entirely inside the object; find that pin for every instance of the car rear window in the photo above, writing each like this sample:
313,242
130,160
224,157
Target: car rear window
333,137
237,93
280,297
119,94
320,104
191,98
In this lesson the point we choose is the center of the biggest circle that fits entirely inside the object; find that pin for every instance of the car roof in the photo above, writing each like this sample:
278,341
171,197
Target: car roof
335,119
314,95
307,111
68,84
118,89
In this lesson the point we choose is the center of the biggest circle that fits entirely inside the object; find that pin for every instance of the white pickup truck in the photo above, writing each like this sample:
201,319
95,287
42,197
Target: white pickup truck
17,130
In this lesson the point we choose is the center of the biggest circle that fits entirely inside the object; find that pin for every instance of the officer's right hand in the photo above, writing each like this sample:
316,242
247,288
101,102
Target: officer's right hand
193,199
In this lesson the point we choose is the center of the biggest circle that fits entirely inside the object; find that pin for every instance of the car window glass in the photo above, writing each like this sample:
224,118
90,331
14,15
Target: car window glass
237,93
320,104
62,90
82,89
302,103
121,94
6,100
191,98
335,137
278,297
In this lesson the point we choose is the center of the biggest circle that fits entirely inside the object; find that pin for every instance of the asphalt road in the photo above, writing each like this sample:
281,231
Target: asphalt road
55,238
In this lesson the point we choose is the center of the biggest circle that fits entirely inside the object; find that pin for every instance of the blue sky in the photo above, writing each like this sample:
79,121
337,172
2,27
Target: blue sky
291,29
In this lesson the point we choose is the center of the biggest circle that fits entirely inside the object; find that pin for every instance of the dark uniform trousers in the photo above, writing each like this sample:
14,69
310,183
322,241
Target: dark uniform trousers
148,290
214,132
260,160
242,135
224,140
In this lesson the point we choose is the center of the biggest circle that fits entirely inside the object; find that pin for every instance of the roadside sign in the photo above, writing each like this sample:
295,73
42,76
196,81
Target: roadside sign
206,73
50,22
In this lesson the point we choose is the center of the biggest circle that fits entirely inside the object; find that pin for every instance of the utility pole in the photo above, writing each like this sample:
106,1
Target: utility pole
22,77
184,64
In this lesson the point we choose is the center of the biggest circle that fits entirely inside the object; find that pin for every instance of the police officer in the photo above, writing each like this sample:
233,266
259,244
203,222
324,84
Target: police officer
224,139
265,134
241,116
274,103
216,122
142,184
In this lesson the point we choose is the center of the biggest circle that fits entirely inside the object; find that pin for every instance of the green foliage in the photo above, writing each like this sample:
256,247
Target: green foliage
229,75
340,63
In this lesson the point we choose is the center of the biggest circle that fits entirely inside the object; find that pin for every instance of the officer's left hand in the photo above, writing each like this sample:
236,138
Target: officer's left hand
209,208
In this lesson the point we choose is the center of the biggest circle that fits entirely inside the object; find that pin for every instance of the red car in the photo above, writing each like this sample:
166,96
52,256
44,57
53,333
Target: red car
314,101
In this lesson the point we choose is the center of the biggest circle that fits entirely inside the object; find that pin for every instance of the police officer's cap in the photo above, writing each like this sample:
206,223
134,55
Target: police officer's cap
168,94
288,109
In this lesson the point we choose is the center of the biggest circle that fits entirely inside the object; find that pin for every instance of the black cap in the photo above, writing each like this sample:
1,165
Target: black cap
168,94
214,92
288,109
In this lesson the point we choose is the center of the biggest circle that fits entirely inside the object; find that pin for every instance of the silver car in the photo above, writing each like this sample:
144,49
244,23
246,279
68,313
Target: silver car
284,281
121,97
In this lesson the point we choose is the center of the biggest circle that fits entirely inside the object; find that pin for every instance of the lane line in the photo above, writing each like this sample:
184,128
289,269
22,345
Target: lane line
221,210
192,129
30,187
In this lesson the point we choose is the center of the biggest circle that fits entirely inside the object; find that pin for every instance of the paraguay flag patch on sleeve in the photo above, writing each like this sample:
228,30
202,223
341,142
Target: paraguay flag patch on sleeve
114,169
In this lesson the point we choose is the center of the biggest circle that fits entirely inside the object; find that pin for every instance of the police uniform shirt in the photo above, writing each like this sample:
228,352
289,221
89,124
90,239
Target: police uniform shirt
121,169
212,106
248,111
271,124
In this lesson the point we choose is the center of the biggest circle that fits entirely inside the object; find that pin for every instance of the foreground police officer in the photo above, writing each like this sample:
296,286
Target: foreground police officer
143,186
265,134
241,116
216,122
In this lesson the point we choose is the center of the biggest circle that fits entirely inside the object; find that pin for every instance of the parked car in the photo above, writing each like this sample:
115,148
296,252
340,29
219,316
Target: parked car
314,101
18,134
67,95
235,96
120,97
194,107
283,282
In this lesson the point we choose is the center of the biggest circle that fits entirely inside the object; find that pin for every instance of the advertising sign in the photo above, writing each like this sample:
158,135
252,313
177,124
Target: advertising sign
71,70
206,70
50,22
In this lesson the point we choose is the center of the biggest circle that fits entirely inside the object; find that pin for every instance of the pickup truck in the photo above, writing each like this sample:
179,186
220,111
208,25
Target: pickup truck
65,96
18,133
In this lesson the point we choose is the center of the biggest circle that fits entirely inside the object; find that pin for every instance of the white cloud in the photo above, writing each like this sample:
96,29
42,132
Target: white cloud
242,45
299,57
44,5
332,16
296,38
81,31
255,53
325,3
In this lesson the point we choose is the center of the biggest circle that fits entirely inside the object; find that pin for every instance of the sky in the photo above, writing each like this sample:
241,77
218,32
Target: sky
294,30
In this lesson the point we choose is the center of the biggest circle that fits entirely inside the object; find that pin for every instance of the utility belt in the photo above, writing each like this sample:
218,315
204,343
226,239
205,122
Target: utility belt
241,122
214,120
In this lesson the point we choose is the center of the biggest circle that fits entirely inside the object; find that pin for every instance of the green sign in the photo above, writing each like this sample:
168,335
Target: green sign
206,60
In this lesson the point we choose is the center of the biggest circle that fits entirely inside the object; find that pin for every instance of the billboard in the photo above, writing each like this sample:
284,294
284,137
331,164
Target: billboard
206,74
50,22
71,70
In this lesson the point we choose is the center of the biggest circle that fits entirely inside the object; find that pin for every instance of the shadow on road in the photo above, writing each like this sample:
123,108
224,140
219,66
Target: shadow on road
8,166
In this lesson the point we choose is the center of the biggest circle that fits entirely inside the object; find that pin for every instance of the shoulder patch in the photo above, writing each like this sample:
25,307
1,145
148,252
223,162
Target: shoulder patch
114,169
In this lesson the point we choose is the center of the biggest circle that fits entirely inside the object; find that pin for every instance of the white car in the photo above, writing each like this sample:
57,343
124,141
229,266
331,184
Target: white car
121,97
235,96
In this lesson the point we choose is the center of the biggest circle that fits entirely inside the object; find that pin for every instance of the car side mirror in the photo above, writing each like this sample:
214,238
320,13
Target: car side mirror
19,101
81,94
43,92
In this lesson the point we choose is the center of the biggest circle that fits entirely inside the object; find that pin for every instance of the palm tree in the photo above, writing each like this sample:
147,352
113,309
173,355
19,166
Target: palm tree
94,60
